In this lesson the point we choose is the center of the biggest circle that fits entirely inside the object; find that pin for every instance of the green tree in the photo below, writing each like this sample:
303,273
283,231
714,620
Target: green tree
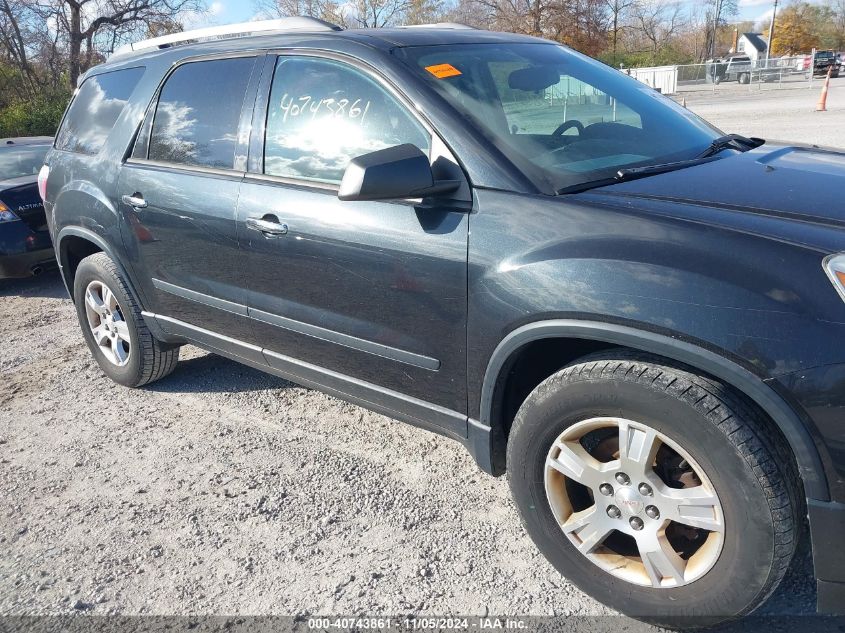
40,117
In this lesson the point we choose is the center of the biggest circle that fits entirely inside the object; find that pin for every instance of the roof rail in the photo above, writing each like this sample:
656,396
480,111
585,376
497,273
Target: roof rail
242,29
439,25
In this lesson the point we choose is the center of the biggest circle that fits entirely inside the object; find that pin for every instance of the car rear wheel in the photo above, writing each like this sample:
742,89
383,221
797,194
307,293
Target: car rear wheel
114,328
659,492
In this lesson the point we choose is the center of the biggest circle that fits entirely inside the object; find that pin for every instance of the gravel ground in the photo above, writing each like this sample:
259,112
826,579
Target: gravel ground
787,114
222,490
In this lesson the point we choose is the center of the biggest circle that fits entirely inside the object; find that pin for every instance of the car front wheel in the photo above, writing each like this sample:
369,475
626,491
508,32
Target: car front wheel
114,328
660,492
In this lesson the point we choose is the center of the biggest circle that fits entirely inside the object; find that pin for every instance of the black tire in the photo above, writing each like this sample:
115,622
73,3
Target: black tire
149,359
744,78
750,468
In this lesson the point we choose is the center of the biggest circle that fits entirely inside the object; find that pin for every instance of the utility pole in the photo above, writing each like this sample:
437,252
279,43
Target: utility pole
771,31
717,15
716,11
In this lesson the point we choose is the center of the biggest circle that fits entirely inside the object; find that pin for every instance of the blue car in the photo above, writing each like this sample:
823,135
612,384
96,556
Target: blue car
25,246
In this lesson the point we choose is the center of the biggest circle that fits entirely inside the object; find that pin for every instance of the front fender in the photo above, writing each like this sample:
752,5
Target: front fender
793,428
743,298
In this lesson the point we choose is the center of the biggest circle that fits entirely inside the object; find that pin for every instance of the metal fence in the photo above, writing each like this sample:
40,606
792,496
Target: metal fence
730,75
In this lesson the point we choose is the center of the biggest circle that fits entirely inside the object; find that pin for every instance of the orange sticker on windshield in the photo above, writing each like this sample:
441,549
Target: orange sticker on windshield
441,71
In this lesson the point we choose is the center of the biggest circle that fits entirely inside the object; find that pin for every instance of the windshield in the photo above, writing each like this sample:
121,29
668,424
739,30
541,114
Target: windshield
562,118
25,160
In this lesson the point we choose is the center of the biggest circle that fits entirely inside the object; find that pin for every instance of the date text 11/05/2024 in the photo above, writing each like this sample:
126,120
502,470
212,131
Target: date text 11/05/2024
434,623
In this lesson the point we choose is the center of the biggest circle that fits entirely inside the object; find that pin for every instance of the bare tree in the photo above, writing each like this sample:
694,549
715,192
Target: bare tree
374,14
717,12
657,21
327,10
426,12
91,28
618,10
16,41
838,9
357,13
564,20
582,24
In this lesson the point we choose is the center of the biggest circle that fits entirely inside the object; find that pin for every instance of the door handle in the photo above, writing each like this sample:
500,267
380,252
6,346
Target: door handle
136,200
269,226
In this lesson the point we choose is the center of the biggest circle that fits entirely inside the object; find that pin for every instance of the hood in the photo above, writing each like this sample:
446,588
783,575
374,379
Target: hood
789,181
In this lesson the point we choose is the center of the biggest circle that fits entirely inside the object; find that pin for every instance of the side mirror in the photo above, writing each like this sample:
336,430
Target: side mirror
398,172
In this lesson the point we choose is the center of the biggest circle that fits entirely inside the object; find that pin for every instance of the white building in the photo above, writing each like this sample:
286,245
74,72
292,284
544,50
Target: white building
753,45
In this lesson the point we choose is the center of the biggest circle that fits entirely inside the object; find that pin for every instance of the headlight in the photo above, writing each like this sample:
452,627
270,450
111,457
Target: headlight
834,266
6,215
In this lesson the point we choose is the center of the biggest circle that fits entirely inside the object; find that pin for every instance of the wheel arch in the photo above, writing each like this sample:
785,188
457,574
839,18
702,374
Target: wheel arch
73,244
588,336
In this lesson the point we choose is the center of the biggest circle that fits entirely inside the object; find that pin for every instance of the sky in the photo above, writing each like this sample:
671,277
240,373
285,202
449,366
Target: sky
231,11
226,12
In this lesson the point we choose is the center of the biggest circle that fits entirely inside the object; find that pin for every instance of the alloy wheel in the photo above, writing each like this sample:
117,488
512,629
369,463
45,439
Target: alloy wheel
634,502
107,323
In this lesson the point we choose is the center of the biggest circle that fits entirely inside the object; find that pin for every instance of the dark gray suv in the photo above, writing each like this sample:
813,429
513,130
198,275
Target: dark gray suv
498,239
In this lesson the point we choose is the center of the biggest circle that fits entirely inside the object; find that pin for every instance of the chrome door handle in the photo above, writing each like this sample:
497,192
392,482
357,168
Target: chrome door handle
135,200
269,227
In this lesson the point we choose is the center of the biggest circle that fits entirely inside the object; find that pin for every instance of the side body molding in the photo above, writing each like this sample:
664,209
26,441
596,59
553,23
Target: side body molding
799,438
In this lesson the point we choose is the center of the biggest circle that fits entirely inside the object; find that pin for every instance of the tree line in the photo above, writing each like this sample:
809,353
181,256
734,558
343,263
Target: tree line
45,45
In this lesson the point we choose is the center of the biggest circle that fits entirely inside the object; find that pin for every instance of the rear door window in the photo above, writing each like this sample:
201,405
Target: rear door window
198,112
95,110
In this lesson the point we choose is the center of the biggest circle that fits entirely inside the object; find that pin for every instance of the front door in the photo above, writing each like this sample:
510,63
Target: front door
179,194
370,295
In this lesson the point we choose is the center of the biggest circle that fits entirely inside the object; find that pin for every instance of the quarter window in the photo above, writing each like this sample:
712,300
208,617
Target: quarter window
95,110
323,113
198,111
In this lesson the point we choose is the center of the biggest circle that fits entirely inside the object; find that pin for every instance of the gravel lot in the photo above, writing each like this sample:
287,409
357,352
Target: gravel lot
787,114
222,490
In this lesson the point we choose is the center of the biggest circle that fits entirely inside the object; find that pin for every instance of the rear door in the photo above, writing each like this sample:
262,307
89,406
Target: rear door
368,296
179,193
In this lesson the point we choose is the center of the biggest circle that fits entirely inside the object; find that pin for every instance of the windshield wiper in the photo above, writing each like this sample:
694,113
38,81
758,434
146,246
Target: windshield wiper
661,168
632,173
731,141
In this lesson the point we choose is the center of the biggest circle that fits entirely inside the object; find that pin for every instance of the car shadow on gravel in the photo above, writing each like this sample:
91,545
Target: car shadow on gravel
796,594
211,373
792,606
47,285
